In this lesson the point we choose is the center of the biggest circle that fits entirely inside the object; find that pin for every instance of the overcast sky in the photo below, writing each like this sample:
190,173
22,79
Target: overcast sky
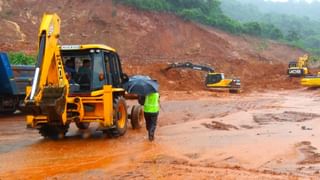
309,1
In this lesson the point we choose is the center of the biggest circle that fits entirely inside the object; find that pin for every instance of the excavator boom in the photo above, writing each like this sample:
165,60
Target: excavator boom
191,66
50,85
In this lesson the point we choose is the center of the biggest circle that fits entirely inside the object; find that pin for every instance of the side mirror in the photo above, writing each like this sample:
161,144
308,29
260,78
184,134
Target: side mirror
125,77
101,76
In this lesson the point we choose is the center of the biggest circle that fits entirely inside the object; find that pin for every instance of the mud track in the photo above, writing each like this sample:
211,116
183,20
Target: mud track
272,135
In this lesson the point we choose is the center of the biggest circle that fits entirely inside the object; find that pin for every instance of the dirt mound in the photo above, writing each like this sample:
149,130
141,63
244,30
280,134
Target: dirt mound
214,125
287,116
146,41
311,156
254,76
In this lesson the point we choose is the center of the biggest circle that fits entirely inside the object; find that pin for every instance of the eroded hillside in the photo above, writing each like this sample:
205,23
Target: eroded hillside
146,41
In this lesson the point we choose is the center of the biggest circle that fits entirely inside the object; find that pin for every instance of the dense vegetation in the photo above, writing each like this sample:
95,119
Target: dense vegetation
207,12
299,8
298,30
21,58
244,18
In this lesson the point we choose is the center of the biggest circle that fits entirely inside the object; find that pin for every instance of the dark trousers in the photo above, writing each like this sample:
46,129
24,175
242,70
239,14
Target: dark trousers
151,122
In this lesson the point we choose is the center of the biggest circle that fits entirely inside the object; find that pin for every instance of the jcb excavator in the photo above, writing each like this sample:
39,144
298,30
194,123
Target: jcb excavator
76,83
299,68
213,79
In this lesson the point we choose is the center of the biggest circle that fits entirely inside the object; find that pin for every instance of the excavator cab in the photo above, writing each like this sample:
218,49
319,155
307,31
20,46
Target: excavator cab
292,64
298,68
217,80
213,78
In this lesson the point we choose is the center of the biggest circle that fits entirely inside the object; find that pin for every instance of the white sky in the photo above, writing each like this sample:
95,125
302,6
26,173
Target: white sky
309,1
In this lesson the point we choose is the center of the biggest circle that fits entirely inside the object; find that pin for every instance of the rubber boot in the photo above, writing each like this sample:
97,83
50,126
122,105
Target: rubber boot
151,136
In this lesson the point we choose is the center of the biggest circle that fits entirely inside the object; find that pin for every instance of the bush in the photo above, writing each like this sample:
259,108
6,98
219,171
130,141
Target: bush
21,58
154,5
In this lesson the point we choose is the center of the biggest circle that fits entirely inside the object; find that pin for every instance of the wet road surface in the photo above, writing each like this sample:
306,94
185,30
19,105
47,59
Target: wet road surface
271,135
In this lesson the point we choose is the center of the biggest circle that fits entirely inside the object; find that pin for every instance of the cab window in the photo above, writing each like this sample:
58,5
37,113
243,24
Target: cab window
98,76
115,69
213,78
108,68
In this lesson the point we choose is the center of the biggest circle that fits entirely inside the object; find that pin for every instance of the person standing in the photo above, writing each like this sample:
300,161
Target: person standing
151,112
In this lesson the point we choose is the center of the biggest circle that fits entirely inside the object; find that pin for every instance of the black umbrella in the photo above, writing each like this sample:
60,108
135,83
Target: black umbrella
141,85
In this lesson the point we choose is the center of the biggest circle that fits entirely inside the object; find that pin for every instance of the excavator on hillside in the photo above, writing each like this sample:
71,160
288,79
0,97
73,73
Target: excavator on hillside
213,80
76,83
299,68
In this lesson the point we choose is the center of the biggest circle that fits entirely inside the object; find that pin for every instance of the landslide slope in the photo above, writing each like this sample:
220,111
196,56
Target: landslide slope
146,41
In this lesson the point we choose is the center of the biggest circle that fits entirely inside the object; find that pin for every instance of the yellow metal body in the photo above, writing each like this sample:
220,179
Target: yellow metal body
223,83
303,61
311,81
103,108
217,80
86,46
52,75
49,68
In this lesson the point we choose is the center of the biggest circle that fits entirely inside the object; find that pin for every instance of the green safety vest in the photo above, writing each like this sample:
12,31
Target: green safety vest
151,104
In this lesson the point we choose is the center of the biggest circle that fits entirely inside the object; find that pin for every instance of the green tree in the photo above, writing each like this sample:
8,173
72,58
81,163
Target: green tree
252,28
292,35
21,58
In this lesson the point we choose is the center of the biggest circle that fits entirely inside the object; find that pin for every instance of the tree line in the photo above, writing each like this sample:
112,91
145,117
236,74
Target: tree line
298,21
207,12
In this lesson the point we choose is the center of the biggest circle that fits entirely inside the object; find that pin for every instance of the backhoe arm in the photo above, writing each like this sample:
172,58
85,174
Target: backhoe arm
190,66
50,85
303,61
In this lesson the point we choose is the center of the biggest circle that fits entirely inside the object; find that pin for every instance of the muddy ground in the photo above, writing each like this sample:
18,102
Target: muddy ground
202,134
269,135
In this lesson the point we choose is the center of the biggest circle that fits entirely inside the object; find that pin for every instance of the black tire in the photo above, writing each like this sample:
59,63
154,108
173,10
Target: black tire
120,118
82,125
9,112
137,117
53,131
234,91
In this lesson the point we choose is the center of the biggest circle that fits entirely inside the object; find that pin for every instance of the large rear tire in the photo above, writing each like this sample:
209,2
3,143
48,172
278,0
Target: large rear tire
137,117
120,118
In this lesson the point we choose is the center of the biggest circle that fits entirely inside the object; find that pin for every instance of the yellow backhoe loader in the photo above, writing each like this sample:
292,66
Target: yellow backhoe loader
299,68
76,83
213,79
